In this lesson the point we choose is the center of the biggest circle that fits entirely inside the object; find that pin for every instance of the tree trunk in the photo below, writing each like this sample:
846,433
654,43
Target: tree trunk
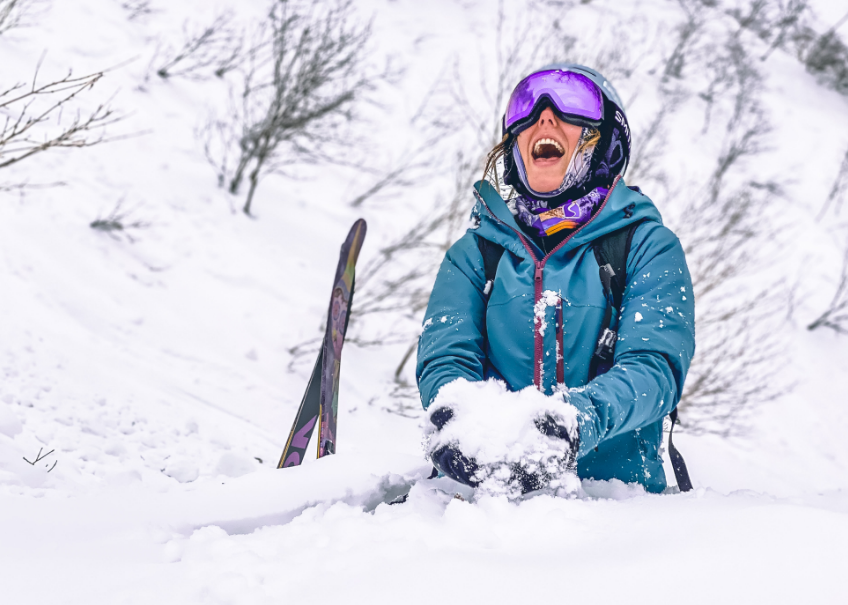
254,180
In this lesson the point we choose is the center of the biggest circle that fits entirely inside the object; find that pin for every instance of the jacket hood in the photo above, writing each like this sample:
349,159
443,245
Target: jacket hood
621,207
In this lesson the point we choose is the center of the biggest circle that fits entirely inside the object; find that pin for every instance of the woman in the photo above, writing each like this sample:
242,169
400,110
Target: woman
565,149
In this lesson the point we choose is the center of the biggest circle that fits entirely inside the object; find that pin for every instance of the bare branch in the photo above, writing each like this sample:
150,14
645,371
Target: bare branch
838,190
24,134
136,8
11,13
835,316
216,48
118,221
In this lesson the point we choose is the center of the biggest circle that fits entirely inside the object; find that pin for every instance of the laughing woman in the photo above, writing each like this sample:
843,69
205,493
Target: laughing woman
571,286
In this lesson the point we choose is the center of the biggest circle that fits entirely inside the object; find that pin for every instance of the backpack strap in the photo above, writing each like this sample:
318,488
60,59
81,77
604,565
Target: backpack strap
611,252
681,473
491,253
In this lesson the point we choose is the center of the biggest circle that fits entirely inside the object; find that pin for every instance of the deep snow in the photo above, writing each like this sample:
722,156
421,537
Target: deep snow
155,371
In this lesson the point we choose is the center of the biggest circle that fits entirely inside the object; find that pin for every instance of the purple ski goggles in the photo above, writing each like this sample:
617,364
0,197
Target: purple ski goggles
572,96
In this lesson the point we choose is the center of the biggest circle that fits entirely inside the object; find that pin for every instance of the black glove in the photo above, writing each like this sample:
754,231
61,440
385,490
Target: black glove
448,459
549,427
532,481
452,463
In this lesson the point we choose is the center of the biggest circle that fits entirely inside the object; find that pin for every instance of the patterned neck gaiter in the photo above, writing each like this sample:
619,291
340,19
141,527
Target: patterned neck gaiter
570,215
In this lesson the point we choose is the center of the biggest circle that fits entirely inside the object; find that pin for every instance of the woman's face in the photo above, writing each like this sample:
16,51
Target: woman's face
546,149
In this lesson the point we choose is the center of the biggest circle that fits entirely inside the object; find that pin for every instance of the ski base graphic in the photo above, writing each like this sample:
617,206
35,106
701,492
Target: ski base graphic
321,401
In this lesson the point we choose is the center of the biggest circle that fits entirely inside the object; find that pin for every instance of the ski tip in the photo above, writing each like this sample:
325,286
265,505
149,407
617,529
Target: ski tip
360,228
355,238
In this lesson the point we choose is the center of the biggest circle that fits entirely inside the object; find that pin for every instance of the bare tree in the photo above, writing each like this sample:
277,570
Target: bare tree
213,49
25,131
838,190
688,34
136,8
790,13
301,82
835,316
827,58
11,12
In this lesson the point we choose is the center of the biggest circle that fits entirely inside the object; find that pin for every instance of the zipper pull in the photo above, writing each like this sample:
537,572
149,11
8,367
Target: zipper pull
539,268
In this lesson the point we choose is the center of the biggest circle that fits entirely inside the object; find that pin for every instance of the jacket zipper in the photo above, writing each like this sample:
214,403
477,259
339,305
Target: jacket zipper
538,340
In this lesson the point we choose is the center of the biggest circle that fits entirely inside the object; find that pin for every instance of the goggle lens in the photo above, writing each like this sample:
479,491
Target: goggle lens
573,96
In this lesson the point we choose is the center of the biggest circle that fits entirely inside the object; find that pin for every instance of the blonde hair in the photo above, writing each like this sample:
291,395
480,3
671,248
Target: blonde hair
593,136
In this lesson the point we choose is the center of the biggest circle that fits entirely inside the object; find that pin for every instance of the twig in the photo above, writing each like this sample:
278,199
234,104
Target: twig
835,316
17,142
39,457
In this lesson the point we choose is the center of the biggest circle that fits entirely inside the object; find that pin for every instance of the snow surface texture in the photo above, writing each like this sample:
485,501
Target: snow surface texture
152,374
498,430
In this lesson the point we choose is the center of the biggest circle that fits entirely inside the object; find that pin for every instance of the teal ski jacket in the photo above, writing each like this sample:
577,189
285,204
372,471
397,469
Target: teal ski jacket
513,338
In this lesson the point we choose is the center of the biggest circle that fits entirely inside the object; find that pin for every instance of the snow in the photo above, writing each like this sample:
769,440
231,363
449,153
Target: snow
151,375
497,429
549,299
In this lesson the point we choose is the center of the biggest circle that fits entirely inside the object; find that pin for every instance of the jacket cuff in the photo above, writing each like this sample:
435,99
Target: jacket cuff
587,419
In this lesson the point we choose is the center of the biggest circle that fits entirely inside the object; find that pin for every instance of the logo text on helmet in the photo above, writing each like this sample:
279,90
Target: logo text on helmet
620,119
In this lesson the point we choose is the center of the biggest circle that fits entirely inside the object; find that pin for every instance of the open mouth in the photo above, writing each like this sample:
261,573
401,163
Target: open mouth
547,149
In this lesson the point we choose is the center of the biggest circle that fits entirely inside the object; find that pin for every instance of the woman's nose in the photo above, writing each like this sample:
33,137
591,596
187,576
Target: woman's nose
548,117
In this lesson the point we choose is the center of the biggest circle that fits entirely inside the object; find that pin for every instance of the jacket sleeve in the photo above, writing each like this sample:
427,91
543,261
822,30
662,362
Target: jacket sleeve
452,343
656,342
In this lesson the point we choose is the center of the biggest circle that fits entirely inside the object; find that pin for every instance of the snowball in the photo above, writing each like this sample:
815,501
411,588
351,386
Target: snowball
638,316
497,428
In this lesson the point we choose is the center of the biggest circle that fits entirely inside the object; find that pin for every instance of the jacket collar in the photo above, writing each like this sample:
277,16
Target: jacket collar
497,224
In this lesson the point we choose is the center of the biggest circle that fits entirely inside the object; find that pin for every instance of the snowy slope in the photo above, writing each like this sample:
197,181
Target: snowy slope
155,371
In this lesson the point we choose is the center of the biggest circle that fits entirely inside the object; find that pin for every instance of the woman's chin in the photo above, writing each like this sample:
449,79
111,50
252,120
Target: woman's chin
546,174
545,185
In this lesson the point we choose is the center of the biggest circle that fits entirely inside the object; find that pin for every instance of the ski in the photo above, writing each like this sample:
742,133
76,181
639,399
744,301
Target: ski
304,421
320,402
